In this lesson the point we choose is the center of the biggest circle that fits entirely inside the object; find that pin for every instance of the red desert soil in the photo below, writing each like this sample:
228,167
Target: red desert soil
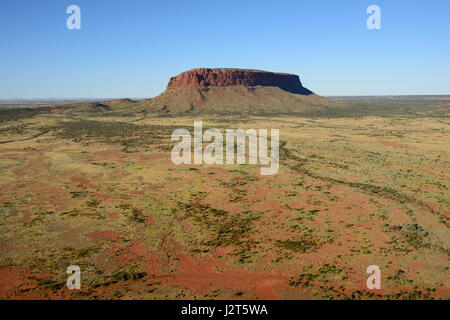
348,194
203,276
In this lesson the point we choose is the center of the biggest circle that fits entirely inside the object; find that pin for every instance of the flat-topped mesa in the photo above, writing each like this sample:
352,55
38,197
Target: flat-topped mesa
203,77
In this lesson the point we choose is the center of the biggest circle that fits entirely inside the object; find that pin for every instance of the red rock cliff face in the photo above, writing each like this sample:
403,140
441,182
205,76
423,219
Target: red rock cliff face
203,78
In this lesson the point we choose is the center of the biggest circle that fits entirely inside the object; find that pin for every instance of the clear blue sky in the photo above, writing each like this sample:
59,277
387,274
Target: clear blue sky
132,48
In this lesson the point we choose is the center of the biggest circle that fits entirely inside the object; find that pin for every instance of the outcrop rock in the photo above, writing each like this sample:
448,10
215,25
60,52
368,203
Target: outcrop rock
203,78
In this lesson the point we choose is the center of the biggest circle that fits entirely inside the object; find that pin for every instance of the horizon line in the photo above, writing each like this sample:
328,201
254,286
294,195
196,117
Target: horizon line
18,99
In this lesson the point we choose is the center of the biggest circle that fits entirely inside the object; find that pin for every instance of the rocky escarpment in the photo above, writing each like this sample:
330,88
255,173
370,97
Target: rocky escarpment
238,92
203,78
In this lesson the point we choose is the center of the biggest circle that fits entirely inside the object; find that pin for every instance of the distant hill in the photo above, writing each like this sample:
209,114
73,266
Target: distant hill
239,91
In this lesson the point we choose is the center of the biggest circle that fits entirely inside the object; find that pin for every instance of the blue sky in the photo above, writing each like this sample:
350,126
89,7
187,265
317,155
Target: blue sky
132,48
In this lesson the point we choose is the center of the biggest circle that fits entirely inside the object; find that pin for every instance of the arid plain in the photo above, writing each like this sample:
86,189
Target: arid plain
93,185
